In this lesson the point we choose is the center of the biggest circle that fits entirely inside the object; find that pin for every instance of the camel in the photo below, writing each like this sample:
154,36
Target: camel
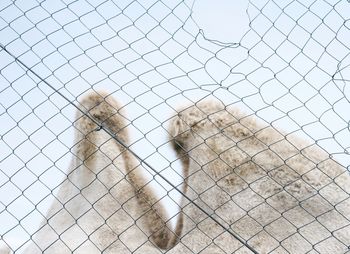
247,188
106,203
274,192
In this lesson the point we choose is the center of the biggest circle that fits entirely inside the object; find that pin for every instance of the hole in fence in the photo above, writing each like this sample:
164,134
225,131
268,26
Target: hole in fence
223,20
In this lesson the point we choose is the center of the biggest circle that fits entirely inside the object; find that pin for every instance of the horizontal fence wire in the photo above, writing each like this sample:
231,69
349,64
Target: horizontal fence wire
114,136
174,126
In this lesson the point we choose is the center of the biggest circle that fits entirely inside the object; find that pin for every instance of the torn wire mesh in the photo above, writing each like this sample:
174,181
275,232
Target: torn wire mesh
261,135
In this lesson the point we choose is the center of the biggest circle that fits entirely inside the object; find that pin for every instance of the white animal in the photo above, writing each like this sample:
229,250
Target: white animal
274,191
106,203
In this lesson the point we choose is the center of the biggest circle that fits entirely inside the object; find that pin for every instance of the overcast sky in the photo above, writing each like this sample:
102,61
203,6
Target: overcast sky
286,61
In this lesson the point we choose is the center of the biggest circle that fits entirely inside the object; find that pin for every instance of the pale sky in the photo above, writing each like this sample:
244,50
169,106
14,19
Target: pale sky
286,61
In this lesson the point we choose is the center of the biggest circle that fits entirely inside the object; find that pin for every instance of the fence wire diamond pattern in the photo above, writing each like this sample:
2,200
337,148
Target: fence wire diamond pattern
166,127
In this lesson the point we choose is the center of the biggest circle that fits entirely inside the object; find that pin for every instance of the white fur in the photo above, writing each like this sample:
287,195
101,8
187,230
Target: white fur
105,204
276,192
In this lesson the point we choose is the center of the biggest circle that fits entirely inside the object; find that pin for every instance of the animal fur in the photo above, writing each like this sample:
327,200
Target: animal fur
105,204
277,193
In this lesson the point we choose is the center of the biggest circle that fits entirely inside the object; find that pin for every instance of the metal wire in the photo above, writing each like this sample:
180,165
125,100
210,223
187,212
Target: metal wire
142,161
287,71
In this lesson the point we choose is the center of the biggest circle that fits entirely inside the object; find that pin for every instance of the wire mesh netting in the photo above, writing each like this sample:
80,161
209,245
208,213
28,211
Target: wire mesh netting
174,126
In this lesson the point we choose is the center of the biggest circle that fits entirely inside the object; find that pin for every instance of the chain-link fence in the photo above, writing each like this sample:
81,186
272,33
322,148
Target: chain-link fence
174,126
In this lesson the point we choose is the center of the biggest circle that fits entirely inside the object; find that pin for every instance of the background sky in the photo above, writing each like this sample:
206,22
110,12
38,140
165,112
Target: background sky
288,62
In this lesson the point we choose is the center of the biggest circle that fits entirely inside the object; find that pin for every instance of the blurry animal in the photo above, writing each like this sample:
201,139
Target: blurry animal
105,204
277,193
273,191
